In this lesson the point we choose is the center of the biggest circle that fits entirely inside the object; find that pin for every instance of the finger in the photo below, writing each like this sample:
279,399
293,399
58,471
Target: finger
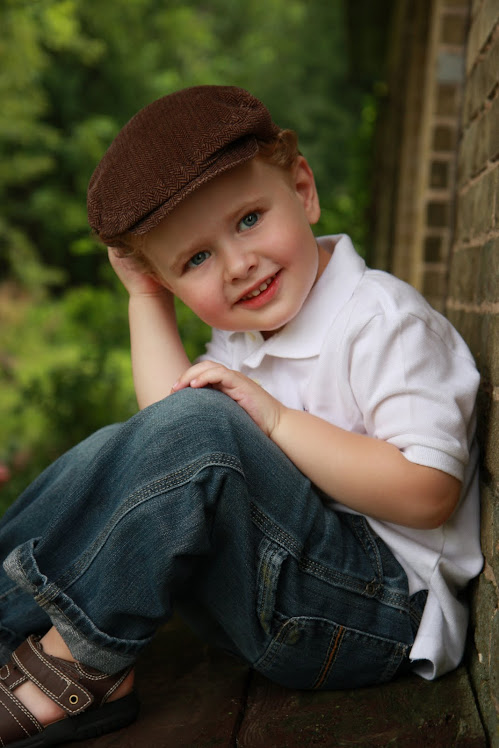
217,376
192,372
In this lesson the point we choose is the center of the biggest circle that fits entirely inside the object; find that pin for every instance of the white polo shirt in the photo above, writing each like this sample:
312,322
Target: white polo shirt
367,353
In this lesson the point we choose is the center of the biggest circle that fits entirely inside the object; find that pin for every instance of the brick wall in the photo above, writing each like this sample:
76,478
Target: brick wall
416,153
473,307
436,225
399,141
444,93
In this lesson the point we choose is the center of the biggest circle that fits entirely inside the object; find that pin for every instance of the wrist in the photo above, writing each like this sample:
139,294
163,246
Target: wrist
278,422
153,298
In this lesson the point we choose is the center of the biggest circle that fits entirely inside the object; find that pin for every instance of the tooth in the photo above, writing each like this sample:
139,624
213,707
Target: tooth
258,291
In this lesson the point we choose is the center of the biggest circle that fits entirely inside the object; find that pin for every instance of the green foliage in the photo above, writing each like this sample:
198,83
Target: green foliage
73,72
69,400
193,332
76,398
79,69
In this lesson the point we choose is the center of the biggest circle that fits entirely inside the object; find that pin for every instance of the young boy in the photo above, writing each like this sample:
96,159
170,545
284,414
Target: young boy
305,495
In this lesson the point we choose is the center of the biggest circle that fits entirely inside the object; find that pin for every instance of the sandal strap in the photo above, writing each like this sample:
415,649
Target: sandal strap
16,722
53,676
73,686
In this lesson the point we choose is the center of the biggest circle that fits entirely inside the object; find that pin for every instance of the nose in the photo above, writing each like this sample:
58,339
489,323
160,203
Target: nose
239,263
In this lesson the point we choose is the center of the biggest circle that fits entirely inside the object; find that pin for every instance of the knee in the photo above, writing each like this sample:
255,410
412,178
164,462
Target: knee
204,404
192,414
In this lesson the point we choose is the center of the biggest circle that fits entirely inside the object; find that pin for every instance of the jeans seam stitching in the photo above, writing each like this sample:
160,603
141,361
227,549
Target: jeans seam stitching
278,535
145,493
308,565
362,534
331,655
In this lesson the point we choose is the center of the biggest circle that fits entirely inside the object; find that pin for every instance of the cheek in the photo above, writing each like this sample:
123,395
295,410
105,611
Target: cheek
203,302
302,254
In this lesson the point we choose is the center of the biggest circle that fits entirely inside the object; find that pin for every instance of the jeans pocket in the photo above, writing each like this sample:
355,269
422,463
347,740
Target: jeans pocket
318,654
303,648
270,560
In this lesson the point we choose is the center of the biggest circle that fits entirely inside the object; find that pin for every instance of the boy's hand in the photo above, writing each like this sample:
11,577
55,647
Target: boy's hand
136,281
264,409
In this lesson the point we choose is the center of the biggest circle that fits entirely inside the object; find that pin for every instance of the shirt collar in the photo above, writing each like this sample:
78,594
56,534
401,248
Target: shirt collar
303,336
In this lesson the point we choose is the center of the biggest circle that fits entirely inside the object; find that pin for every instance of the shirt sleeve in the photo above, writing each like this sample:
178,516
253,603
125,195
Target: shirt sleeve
416,385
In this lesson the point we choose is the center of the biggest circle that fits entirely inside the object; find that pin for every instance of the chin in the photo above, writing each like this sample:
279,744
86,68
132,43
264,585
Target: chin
278,327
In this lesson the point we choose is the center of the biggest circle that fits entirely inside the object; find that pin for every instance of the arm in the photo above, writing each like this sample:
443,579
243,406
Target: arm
366,474
158,356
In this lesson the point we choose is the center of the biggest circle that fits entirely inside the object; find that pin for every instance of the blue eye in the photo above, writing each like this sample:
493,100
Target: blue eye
198,259
249,221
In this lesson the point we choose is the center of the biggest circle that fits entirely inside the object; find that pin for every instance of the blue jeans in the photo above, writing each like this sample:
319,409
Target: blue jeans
188,504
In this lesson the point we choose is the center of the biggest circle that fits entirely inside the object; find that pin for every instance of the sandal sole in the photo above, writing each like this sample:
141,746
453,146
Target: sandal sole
112,716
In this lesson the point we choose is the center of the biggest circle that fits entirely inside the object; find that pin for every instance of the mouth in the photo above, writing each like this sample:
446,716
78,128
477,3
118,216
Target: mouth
259,289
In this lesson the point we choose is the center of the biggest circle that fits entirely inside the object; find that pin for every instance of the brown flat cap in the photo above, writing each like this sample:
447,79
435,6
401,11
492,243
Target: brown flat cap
170,148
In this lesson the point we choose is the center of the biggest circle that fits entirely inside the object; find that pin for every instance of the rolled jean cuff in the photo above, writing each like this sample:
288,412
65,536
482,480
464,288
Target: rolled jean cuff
85,641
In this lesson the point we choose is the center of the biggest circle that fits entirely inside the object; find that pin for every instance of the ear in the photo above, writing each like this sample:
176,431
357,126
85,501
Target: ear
304,185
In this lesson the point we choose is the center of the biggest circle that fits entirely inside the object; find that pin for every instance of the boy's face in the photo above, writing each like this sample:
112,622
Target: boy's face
239,251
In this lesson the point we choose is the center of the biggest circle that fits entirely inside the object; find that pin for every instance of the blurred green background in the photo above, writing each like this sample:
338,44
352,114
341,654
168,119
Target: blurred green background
72,72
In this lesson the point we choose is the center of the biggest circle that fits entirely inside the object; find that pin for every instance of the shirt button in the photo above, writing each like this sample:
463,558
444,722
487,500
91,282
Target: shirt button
252,336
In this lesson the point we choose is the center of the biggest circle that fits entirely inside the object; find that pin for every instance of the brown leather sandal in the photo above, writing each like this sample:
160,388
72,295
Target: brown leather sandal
80,691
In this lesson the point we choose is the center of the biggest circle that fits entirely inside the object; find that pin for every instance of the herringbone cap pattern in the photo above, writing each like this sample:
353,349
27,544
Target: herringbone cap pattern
169,149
